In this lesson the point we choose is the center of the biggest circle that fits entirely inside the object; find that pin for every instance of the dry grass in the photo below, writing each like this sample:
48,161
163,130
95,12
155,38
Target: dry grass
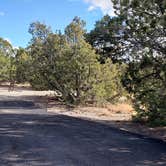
120,108
107,112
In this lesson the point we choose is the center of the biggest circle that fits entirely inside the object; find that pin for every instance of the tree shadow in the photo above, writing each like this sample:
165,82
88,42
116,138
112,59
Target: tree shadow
49,140
17,104
16,88
22,102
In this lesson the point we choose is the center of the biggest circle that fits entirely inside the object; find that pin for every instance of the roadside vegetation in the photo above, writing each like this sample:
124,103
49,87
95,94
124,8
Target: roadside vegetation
121,56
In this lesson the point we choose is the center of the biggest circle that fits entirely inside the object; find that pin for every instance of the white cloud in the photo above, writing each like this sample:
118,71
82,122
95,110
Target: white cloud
2,13
7,39
91,8
105,6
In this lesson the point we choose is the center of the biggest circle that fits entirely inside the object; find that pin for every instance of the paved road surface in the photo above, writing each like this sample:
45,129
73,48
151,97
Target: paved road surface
40,139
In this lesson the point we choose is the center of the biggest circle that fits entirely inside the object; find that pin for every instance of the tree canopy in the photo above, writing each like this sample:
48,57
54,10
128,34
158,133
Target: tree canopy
6,51
67,64
145,46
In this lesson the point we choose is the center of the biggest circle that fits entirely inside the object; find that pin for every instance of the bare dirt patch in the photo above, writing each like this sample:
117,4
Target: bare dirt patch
115,115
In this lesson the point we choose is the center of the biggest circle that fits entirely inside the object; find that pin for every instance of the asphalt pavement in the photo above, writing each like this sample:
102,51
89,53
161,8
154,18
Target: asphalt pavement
36,138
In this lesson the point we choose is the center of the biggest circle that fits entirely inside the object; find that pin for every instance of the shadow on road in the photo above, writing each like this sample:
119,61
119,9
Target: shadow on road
16,104
57,140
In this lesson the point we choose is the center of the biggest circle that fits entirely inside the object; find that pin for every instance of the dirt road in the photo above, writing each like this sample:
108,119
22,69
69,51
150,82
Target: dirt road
29,136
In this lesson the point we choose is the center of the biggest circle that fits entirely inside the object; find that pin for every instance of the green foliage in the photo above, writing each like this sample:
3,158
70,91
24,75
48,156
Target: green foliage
144,25
75,30
6,58
39,31
68,64
22,65
147,82
105,38
144,42
4,67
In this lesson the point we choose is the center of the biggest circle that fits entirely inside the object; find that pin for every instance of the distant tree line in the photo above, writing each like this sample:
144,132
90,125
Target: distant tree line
122,55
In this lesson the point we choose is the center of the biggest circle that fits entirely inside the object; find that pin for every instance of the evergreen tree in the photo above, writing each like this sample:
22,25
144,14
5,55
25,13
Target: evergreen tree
6,61
67,64
144,42
106,38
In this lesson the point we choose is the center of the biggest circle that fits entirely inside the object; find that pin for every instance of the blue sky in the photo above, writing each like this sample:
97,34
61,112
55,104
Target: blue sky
16,15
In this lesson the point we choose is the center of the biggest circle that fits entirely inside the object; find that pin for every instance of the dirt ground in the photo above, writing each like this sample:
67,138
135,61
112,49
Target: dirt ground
118,116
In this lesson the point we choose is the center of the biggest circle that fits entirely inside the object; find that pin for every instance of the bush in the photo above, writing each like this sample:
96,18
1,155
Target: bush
78,75
68,64
146,80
